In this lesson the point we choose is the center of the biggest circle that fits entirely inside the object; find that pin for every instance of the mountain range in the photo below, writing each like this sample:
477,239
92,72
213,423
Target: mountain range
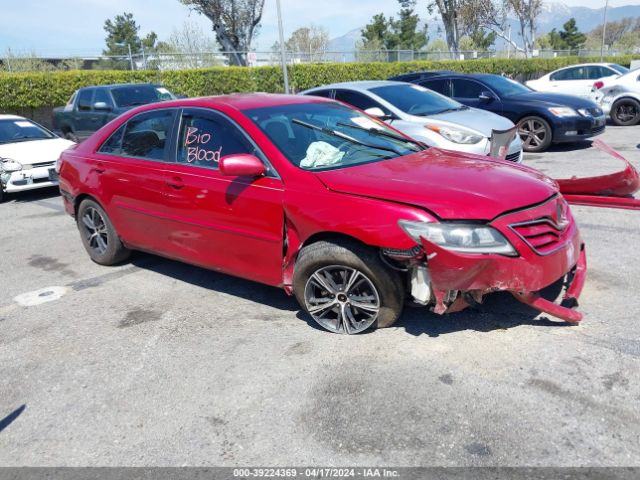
553,15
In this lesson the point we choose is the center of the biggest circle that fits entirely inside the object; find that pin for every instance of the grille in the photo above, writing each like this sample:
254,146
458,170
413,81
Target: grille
513,157
543,235
43,164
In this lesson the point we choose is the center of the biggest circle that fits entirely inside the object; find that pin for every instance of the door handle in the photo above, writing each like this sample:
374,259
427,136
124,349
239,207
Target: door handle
175,183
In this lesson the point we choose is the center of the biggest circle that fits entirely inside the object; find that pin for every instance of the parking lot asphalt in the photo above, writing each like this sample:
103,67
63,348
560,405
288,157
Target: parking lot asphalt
157,363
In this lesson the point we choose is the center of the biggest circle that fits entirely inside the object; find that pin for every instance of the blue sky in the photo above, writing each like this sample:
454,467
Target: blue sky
75,26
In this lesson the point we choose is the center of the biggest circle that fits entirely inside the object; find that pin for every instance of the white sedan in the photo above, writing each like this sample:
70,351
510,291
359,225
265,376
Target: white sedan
619,98
576,79
28,154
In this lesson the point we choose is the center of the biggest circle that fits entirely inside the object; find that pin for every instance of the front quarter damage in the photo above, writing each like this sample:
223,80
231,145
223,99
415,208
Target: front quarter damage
459,280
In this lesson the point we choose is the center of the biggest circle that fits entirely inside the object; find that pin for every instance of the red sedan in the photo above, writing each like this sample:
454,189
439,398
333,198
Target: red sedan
334,206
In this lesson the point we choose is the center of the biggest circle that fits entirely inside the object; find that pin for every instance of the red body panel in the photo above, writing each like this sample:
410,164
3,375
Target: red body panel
254,227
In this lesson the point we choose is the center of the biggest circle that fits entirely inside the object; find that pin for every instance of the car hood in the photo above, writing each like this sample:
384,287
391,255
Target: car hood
452,185
553,99
35,151
482,121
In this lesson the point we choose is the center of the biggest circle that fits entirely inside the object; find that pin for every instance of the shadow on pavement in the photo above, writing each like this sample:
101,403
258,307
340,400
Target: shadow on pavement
33,195
569,146
498,312
218,282
9,419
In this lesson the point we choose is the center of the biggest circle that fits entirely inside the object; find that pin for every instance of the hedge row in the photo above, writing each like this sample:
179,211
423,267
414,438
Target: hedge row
19,91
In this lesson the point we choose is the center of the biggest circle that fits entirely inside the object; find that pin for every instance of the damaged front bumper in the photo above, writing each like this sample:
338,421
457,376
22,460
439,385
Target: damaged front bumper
458,279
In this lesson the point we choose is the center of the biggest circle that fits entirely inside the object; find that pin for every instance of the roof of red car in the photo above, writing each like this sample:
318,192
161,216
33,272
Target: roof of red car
244,101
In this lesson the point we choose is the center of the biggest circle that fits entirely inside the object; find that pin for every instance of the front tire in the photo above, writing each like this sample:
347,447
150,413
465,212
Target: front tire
71,136
99,237
625,112
346,288
535,133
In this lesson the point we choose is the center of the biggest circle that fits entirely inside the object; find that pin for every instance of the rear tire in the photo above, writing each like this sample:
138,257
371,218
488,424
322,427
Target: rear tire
98,235
345,287
536,134
625,112
71,136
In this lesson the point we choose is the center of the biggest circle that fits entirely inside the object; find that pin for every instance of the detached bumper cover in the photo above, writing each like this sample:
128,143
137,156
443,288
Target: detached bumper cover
614,190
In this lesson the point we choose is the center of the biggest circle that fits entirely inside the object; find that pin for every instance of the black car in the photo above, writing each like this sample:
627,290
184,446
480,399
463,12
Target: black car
90,108
542,118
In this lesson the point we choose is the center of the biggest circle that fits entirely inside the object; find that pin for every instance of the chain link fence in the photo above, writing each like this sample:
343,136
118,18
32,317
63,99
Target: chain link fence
191,60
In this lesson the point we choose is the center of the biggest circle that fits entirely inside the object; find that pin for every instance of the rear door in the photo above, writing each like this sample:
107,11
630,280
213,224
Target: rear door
440,85
231,224
130,168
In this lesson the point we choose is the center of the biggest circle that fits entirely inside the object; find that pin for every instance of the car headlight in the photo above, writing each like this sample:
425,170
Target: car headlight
584,112
563,112
455,135
8,165
460,237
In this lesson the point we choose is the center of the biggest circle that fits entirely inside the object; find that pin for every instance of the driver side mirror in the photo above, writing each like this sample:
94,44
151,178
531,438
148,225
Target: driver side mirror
486,96
378,113
241,165
102,106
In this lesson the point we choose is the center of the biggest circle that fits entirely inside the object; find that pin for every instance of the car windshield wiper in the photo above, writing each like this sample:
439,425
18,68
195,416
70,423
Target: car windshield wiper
344,136
383,133
452,109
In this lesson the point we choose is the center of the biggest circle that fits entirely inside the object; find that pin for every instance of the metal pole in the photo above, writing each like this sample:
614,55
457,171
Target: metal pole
604,30
130,56
282,56
144,58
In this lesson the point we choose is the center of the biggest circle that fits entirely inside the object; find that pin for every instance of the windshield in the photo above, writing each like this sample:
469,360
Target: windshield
505,87
321,136
416,100
131,96
21,130
619,68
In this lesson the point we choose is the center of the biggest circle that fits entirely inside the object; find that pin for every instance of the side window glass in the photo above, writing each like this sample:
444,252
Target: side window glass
113,146
466,89
147,135
103,96
358,100
204,140
84,100
440,86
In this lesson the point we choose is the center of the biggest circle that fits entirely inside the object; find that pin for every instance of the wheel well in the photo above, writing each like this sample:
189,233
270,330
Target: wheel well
78,200
535,114
625,98
331,237
65,129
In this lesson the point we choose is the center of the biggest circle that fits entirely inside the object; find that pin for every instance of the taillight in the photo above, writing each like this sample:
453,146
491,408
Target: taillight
598,85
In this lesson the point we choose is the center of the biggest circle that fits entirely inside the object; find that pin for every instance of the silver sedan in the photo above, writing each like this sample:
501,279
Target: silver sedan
424,115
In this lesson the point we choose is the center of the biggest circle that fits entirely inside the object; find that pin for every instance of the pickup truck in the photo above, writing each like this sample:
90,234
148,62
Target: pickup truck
90,108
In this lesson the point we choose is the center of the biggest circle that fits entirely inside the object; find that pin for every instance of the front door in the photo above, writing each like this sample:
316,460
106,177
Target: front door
231,224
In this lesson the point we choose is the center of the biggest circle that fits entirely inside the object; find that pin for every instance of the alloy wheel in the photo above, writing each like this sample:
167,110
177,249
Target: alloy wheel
626,112
533,133
342,299
95,230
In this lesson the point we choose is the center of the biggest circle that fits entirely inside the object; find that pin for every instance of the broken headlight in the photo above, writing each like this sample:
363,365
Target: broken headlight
460,237
9,166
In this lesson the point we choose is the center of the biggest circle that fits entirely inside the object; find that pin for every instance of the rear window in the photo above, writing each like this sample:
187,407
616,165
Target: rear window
130,96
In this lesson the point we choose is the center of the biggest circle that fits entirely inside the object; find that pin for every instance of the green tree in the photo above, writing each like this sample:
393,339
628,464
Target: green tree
571,37
235,23
406,32
390,34
122,32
